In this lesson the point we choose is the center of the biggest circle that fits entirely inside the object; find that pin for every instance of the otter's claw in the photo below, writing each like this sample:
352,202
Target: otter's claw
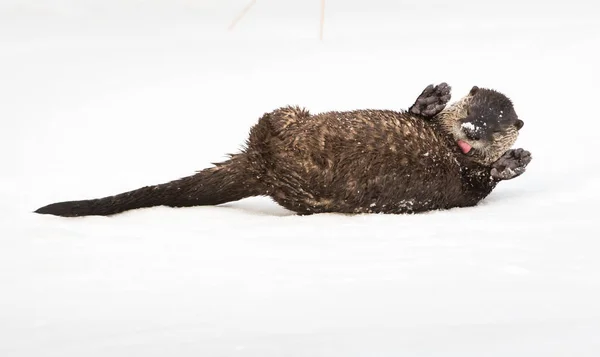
512,164
431,101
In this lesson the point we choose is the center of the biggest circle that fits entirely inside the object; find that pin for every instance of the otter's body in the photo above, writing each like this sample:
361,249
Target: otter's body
360,161
363,161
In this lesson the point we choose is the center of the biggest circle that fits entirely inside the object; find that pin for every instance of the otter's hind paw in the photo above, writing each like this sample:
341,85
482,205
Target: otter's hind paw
432,100
512,164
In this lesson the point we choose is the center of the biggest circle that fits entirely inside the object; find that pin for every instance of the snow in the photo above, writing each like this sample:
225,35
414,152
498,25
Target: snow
468,125
99,97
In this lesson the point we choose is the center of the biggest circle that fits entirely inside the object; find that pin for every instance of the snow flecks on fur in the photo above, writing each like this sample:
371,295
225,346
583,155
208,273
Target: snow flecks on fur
468,126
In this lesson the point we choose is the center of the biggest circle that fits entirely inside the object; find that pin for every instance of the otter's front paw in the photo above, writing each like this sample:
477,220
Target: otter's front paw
511,164
432,100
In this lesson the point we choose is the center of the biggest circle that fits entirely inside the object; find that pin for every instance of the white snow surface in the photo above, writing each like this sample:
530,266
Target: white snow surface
100,97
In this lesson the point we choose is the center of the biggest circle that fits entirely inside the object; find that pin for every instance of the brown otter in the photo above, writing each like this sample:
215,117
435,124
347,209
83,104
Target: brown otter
430,157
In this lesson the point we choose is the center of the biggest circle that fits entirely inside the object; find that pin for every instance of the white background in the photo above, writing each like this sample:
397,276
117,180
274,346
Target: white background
100,97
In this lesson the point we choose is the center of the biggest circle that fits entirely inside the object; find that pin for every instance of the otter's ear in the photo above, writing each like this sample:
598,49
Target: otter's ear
519,124
474,90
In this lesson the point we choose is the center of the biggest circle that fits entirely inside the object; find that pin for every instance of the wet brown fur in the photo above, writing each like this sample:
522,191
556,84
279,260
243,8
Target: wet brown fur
362,161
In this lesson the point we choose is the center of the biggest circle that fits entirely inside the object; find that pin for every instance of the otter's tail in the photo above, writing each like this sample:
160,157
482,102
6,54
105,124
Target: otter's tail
226,182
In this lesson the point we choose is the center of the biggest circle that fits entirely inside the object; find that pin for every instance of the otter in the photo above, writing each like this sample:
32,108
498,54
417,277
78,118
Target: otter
433,156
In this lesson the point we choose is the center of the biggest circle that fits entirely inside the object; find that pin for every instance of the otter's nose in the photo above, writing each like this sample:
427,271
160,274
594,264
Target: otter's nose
472,134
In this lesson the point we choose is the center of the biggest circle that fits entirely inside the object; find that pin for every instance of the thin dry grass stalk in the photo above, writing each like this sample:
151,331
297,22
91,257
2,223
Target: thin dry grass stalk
247,8
241,14
322,18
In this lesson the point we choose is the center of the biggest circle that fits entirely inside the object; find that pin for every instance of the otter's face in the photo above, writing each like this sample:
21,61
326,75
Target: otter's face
484,124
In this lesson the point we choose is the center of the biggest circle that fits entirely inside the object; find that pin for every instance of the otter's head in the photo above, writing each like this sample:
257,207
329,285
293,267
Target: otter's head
484,124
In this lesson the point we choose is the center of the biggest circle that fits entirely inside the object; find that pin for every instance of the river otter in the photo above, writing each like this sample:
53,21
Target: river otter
429,157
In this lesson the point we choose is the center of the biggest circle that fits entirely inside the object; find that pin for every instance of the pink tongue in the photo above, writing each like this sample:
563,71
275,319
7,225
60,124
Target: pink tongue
465,147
